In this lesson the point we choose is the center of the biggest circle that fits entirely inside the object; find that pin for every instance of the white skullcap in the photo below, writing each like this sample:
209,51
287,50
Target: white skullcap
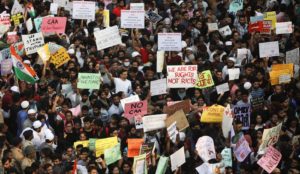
189,48
135,53
15,89
31,111
71,51
167,21
27,62
228,43
49,135
24,104
181,136
247,85
37,124
232,59
183,44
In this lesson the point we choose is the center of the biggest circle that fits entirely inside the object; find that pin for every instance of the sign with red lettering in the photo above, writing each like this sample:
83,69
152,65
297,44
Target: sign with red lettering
270,159
135,108
242,149
182,76
267,25
54,24
255,26
205,80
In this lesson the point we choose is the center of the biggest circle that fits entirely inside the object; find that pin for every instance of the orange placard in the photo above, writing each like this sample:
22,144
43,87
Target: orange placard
289,66
134,145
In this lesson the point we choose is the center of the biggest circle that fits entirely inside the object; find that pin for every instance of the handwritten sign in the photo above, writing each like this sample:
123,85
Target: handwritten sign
132,19
54,24
60,57
105,143
289,67
17,19
285,78
6,66
271,16
270,159
169,42
267,26
153,16
160,59
53,8
292,56
88,81
184,105
206,148
242,112
131,99
180,119
158,87
181,76
162,165
274,75
134,145
32,42
5,19
84,10
5,54
257,103
204,80
270,137
83,143
212,26
227,121
227,157
242,149
137,6
212,114
113,154
135,108
269,49
154,122
107,38
222,88
284,27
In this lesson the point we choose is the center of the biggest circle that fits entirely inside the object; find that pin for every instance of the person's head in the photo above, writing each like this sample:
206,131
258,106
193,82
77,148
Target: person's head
87,123
37,126
68,127
6,162
30,152
92,170
123,74
48,168
278,89
248,69
32,114
258,119
238,125
84,153
255,83
115,170
28,135
259,133
126,167
84,111
116,99
245,96
82,136
56,159
242,20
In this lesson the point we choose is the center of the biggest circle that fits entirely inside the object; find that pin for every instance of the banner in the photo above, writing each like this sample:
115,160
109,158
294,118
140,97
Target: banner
177,159
184,105
135,108
292,56
284,27
54,24
242,112
153,16
88,81
32,42
105,143
154,122
132,19
268,49
206,148
113,154
270,137
134,145
162,165
181,76
212,114
180,119
107,38
44,52
227,121
242,149
60,57
235,6
169,42
158,87
204,80
271,16
270,160
84,10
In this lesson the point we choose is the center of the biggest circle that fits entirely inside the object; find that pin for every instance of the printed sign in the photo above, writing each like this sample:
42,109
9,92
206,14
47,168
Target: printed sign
84,10
158,87
212,114
54,24
181,76
153,16
88,81
241,149
132,19
206,148
284,27
60,57
204,80
135,108
270,137
271,16
268,49
169,42
270,159
32,42
242,112
107,38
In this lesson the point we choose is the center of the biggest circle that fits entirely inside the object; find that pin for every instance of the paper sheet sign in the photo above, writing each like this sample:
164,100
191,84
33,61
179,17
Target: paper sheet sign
274,75
60,57
242,112
158,87
172,132
271,16
88,81
225,31
242,149
53,8
84,10
289,67
162,165
76,111
212,26
270,137
212,114
284,27
137,6
180,119
154,122
206,148
227,157
177,159
83,143
17,19
160,59
169,42
134,145
44,52
135,108
131,99
138,121
139,164
54,24
32,42
153,16
181,76
184,105
234,73
105,143
285,78
204,80
132,19
113,154
6,66
268,49
222,88
5,19
270,159
227,121
292,56
107,38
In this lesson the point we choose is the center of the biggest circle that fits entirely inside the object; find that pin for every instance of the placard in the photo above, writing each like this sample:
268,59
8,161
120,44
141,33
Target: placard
235,6
179,118
222,88
88,81
285,78
274,75
172,132
270,137
169,42
135,108
139,164
132,19
242,112
256,18
17,19
227,121
284,27
5,19
134,145
212,114
44,52
84,10
206,148
158,87
267,25
154,122
255,26
29,25
241,149
270,159
6,67
257,103
61,3
107,38
177,159
32,42
160,59
225,31
292,56
54,24
234,73
271,16
17,8
131,99
212,26
137,6
5,54
105,143
60,57
153,16
268,49
112,155
138,121
53,8
289,67
162,165
204,80
184,105
227,157
181,76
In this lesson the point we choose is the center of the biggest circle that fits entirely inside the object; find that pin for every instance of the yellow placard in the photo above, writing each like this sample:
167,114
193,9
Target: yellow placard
44,52
289,66
106,18
84,143
60,57
271,16
105,143
274,75
204,80
212,114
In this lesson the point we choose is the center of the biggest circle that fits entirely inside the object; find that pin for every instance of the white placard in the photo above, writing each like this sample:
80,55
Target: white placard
206,148
270,137
17,8
227,121
169,42
132,19
154,122
84,10
292,56
285,78
177,159
53,8
225,31
182,76
32,42
268,49
242,149
158,87
137,6
222,88
107,38
29,24
61,3
212,26
284,27
160,59
134,98
153,16
172,132
234,73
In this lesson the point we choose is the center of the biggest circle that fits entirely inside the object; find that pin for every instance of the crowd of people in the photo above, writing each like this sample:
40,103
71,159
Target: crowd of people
38,127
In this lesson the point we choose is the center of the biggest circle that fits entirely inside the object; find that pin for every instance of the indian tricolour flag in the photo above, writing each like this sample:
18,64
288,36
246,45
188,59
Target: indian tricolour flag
22,71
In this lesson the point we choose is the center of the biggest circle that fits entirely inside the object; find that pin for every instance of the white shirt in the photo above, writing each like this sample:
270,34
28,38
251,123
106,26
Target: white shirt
123,85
